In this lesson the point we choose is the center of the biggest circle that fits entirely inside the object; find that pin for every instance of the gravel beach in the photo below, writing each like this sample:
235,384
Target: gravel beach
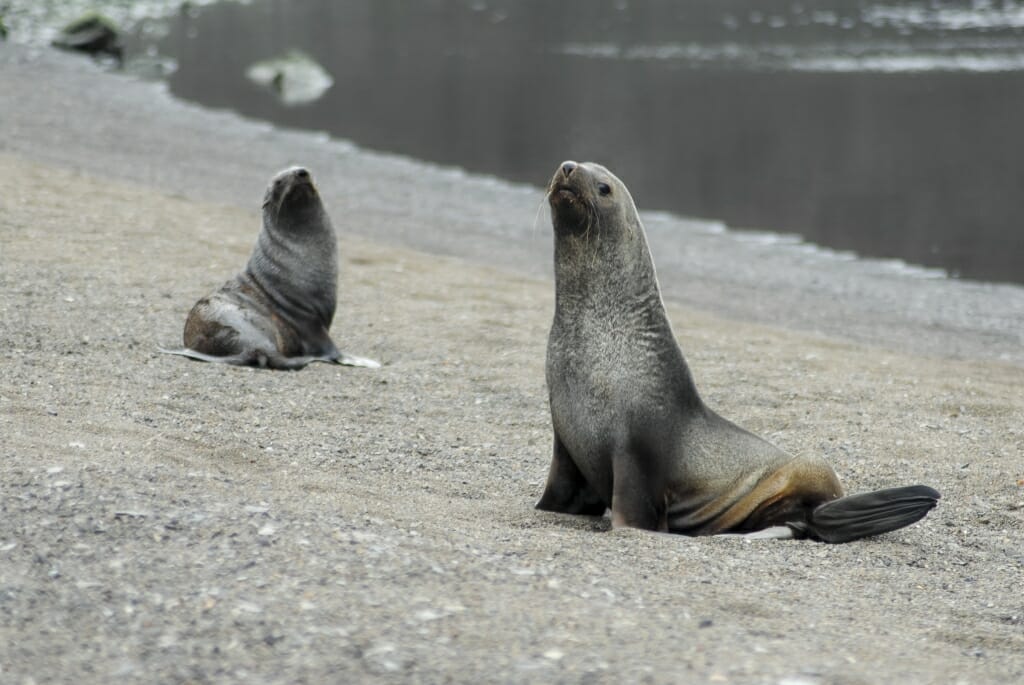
169,521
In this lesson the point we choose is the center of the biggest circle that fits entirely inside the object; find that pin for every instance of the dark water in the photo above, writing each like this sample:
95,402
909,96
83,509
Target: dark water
893,130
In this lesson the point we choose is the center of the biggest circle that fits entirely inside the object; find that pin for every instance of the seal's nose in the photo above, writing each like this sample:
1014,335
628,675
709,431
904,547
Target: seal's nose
301,173
568,168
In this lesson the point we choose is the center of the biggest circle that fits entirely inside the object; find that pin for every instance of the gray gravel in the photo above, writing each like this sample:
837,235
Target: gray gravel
169,521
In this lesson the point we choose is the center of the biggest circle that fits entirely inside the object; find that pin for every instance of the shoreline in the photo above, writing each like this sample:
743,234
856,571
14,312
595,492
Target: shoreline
447,211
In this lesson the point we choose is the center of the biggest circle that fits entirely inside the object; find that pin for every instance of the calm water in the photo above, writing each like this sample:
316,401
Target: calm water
893,130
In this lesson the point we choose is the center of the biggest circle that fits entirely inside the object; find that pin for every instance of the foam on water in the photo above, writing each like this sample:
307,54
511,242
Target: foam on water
856,57
979,63
984,15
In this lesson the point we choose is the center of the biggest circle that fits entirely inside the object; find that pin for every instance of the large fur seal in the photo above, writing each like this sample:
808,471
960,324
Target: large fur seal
630,430
277,312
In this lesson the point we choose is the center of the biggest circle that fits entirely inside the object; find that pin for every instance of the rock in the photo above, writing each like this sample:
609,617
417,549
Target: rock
295,77
92,34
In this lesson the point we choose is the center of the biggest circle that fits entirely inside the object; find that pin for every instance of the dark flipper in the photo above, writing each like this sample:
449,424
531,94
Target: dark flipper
567,490
858,516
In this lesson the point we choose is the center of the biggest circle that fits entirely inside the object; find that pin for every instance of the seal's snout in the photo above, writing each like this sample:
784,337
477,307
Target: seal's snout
563,186
569,198
298,176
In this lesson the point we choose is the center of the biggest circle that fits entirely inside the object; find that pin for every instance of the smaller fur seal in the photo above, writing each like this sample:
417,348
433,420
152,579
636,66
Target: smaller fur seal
631,433
277,312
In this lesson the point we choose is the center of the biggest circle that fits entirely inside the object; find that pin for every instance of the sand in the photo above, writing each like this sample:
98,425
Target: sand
169,521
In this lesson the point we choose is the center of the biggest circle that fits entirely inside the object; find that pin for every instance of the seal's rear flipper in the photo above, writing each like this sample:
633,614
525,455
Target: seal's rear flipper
858,516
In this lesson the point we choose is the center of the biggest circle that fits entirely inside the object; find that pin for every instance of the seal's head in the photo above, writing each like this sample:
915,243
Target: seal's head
585,197
291,194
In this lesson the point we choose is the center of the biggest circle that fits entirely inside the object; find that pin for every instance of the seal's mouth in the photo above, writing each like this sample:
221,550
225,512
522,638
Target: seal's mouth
563,192
299,196
300,190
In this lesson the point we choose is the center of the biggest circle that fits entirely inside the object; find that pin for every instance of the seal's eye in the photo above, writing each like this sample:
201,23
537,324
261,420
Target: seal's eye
604,189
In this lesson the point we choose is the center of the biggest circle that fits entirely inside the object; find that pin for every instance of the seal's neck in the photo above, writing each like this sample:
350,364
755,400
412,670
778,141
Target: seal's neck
307,232
295,260
608,308
607,273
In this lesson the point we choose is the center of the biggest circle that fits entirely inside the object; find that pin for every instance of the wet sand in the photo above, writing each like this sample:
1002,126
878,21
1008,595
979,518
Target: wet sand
169,521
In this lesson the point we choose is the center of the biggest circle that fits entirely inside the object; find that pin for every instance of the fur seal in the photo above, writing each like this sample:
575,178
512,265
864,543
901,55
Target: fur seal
632,434
277,312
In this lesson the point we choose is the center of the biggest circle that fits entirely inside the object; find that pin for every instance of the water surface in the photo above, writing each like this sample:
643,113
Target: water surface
892,130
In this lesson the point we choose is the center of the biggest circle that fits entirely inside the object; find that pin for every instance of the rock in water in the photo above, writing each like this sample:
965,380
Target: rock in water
295,77
93,34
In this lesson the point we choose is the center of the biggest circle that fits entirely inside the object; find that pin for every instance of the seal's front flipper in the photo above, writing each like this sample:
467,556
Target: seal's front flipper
638,493
257,358
567,490
352,360
858,516
236,359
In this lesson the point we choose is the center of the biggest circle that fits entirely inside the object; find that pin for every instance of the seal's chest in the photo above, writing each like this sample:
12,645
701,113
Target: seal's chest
584,394
596,367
